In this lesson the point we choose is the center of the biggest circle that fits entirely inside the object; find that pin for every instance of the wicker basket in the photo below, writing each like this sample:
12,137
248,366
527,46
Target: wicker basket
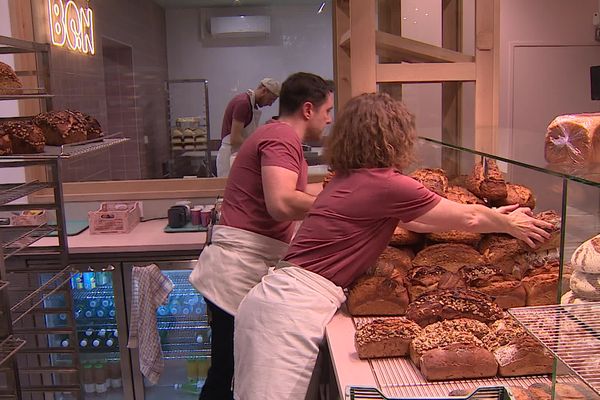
115,217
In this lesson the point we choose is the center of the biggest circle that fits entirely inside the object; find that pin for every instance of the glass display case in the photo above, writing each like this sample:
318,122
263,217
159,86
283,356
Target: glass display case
569,331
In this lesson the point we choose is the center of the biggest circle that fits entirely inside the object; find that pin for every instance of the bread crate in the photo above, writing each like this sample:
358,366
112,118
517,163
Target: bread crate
115,217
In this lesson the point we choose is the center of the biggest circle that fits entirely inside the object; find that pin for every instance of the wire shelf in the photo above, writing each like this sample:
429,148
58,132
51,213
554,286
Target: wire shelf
26,96
399,377
72,150
13,191
15,239
37,297
8,347
571,332
3,284
483,393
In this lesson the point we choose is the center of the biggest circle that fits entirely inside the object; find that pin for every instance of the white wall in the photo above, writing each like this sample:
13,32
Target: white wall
547,47
300,40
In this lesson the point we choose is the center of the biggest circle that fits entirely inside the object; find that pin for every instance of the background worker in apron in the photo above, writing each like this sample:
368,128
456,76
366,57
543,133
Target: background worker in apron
241,118
281,322
266,192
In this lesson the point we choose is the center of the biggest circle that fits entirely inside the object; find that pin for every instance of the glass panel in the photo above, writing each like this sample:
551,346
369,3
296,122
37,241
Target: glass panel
97,333
185,339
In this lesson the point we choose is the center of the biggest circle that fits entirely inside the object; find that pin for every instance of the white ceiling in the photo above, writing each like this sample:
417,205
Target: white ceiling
232,3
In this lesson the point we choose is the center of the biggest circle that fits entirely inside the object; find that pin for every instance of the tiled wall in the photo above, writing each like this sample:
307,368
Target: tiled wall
122,85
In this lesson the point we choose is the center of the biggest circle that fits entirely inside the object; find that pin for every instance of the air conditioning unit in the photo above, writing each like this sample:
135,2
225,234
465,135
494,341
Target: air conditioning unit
240,26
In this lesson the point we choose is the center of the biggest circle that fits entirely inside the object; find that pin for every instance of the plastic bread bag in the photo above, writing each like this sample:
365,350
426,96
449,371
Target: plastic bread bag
573,139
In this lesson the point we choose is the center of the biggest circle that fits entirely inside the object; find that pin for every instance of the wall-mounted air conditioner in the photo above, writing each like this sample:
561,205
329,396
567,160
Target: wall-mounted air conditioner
240,26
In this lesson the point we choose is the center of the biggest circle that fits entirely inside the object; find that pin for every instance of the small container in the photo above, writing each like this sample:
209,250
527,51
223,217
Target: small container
100,378
206,215
114,372
196,215
89,280
89,383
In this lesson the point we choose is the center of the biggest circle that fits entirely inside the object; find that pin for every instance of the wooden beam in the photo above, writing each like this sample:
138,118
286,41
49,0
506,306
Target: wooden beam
363,71
389,17
452,16
341,54
404,49
422,73
487,91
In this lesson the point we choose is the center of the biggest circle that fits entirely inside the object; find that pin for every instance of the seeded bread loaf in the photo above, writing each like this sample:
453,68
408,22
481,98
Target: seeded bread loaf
452,304
375,295
501,251
434,179
439,336
25,138
62,127
9,81
422,280
385,337
453,236
450,256
506,290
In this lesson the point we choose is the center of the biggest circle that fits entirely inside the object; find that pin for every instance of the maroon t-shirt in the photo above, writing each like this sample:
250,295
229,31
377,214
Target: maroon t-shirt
353,219
239,108
244,207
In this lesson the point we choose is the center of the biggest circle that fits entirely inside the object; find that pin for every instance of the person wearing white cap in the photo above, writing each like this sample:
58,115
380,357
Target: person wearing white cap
241,118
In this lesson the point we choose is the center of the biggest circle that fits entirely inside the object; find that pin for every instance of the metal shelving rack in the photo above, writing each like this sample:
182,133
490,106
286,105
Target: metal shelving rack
571,332
32,370
204,154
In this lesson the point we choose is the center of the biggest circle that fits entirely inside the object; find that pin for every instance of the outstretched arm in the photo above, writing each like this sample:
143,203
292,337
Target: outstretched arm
447,215
283,201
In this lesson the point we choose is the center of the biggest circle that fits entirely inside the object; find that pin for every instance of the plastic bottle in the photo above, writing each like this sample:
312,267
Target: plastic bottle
89,384
83,343
162,311
112,313
88,313
110,344
93,303
89,332
96,343
89,281
100,312
100,378
114,372
65,342
106,303
102,332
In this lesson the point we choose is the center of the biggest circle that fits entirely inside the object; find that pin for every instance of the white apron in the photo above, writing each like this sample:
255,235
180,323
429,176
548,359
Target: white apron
224,157
234,263
278,329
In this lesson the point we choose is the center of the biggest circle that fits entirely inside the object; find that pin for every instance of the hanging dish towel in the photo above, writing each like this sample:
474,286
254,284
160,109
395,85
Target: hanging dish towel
150,289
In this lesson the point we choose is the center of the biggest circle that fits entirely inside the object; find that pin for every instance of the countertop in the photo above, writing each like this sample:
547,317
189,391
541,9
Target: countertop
349,369
147,236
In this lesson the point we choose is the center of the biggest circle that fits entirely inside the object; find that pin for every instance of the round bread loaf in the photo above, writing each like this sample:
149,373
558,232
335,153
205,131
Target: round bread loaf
586,257
572,298
404,237
434,179
375,295
393,262
517,194
9,81
585,286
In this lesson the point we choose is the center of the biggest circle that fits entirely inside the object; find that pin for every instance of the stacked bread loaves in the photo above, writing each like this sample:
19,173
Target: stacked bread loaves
585,280
67,126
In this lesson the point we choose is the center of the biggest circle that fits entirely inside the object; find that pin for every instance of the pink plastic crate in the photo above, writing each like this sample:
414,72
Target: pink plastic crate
115,217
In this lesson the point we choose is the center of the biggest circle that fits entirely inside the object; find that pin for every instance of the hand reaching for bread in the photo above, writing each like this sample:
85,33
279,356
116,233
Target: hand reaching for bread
527,228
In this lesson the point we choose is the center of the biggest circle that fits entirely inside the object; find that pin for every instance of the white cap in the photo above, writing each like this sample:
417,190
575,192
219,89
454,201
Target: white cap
271,84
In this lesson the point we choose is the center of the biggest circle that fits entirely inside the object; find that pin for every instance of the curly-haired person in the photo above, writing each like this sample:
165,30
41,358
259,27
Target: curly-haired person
281,321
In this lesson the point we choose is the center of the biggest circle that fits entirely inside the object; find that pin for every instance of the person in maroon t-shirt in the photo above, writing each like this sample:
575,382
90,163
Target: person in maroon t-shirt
241,118
266,192
281,322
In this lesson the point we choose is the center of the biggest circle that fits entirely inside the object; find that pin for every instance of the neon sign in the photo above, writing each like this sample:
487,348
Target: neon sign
71,26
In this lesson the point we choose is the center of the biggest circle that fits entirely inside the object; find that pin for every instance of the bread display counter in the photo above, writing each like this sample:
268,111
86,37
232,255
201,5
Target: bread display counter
433,317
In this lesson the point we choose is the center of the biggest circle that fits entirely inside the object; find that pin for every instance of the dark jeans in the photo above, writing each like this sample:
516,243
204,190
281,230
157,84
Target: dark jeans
220,374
